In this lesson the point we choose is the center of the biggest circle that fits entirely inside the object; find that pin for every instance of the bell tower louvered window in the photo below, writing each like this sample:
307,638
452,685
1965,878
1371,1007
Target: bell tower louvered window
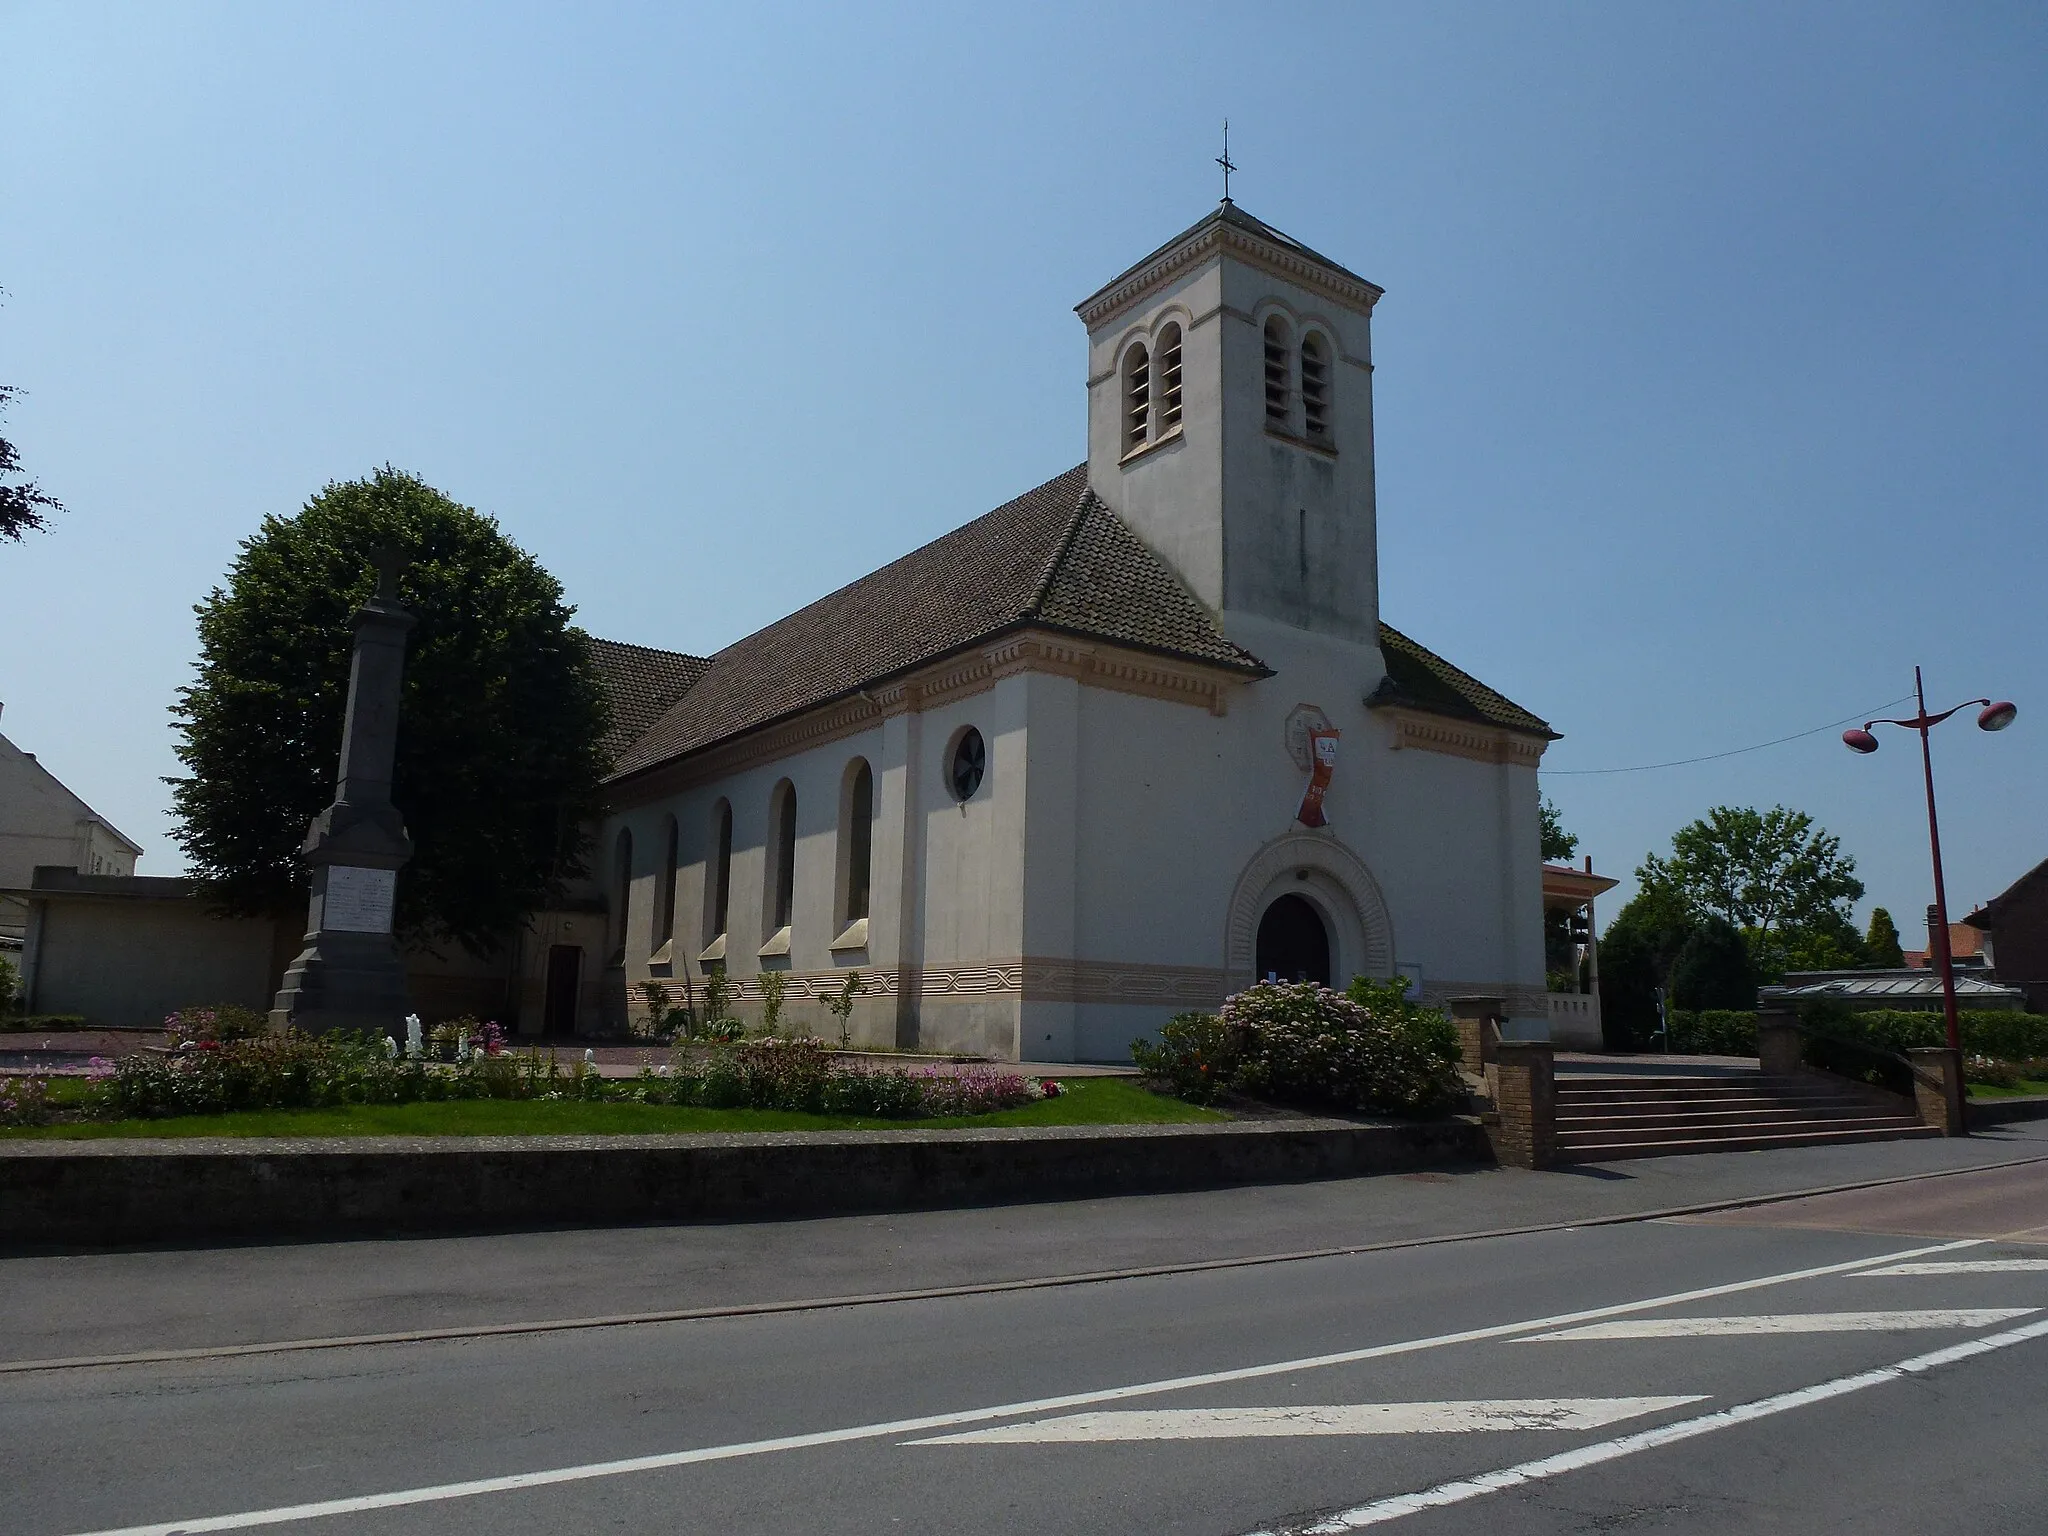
1277,369
1169,379
1137,397
1315,388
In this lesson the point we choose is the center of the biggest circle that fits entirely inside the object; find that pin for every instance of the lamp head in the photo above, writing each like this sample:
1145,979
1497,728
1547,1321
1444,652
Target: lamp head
1996,717
1859,741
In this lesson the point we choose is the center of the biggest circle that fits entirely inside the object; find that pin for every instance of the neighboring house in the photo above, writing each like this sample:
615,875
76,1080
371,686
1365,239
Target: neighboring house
1120,746
1910,990
2014,931
44,823
1965,947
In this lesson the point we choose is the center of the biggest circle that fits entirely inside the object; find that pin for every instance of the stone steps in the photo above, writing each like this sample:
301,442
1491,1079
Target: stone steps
1600,1119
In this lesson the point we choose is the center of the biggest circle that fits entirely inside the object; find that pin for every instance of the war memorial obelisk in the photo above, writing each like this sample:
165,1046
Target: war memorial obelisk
351,975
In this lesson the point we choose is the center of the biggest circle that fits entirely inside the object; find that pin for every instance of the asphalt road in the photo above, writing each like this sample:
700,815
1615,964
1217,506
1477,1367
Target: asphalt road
1743,1371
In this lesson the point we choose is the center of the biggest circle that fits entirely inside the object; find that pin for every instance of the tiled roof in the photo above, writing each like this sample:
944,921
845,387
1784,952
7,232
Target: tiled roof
1055,558
1420,679
640,683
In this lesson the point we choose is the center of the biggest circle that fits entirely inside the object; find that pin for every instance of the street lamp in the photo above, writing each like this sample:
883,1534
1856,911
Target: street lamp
1992,717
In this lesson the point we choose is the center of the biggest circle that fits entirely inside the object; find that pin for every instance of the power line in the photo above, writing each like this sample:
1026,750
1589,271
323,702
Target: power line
1683,762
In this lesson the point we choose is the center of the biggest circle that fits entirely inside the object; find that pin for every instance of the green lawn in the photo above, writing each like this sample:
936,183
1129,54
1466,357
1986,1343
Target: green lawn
2026,1085
1087,1101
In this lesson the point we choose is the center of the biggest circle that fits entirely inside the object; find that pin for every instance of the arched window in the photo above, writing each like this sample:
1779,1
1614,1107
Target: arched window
622,888
665,895
856,841
1137,396
781,882
1315,387
718,873
1277,369
1169,379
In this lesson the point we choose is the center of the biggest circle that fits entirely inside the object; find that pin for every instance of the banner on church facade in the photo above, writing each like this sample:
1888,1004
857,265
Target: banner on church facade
1322,746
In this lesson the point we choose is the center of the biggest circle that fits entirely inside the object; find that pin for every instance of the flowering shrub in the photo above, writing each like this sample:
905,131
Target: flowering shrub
1300,1043
455,1039
214,1025
290,1070
977,1090
1195,1055
802,1074
24,1100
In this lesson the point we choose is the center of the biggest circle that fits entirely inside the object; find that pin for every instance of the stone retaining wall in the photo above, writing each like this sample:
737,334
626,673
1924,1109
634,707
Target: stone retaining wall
135,1191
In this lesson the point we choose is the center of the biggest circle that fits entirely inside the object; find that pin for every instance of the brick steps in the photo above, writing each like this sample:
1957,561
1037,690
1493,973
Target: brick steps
1604,1118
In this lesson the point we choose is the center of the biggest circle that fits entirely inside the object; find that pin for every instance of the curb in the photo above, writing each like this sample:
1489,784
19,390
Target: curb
1979,1113
103,1193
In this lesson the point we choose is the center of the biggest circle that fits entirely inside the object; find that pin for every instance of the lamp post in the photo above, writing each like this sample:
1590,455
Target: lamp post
1992,717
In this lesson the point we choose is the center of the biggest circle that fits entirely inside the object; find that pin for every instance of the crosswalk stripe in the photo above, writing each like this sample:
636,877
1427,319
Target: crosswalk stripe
1786,1322
1962,1267
1380,1511
1334,1419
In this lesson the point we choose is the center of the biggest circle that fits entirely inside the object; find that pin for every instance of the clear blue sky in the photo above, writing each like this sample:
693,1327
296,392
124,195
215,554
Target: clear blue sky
1711,370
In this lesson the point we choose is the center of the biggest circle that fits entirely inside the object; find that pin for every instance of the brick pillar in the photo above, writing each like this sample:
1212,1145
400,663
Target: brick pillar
1525,1095
1780,1050
1478,1020
1938,1087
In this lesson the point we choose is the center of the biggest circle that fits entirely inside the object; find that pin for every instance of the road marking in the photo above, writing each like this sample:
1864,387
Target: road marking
1335,1419
1787,1322
899,1428
1444,1494
1963,1267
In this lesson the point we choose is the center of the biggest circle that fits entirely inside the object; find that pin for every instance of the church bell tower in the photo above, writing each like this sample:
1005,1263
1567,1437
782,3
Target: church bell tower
1230,422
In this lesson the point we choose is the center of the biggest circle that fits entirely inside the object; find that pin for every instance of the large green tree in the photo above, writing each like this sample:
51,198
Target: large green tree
499,727
24,506
1712,969
1636,955
1784,882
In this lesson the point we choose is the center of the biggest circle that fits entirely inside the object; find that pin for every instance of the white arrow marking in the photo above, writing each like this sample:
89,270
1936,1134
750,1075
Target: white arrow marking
1963,1267
1787,1322
1338,1419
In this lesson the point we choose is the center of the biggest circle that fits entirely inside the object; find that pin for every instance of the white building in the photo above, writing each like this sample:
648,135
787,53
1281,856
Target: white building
1042,782
42,822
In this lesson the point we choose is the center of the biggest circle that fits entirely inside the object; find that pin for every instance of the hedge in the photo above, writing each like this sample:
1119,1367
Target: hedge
2003,1034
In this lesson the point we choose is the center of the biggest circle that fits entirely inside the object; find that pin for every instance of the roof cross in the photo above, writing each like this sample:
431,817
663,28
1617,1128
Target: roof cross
1225,161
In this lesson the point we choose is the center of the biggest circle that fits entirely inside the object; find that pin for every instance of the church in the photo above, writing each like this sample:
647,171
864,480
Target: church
1109,752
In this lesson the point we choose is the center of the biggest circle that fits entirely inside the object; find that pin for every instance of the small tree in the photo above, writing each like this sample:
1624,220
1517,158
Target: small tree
774,986
1881,945
1712,969
840,1005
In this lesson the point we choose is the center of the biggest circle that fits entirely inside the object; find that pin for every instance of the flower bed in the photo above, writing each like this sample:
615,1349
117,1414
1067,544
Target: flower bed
205,1074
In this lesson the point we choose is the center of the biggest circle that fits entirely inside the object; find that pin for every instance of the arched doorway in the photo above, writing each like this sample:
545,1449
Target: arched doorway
1294,942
